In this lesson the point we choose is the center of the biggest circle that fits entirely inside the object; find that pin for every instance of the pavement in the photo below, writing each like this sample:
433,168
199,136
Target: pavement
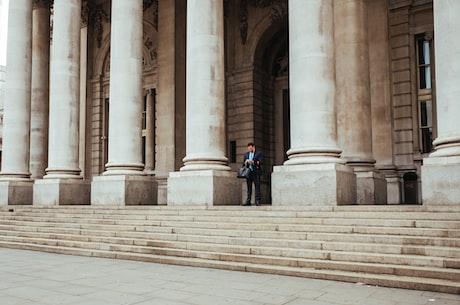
29,277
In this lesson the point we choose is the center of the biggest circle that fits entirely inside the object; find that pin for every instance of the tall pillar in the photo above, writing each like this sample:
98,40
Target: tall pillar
170,102
15,183
354,123
149,133
40,89
205,178
124,181
441,170
63,183
315,173
381,104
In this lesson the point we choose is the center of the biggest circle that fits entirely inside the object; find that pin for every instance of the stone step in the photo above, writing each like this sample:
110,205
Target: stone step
419,244
448,230
381,279
374,218
302,249
366,212
271,256
404,243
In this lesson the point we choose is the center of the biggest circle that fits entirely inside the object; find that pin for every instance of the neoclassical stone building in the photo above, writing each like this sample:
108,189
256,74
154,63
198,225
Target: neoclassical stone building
153,102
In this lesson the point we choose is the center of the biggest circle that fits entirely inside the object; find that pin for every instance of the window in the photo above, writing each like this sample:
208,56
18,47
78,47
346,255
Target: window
424,92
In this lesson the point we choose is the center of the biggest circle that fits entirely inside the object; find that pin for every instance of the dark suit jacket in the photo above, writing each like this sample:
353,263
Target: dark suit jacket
258,159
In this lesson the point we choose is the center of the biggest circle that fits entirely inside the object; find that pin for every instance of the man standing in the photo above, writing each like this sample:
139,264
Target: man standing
253,160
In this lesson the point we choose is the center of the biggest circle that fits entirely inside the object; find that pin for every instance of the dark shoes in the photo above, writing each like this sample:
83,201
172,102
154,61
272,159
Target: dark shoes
248,203
257,203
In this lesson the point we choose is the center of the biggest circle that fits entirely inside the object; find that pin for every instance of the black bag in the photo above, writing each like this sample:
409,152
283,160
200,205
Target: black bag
243,172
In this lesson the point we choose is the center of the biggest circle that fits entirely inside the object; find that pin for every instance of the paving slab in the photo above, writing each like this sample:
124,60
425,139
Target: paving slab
38,278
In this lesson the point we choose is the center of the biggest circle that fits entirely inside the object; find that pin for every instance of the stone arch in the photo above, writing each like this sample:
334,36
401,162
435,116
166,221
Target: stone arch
102,59
260,37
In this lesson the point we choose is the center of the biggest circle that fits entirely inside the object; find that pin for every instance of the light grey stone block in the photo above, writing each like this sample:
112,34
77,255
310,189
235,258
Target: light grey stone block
371,188
16,192
313,184
61,192
441,180
204,187
124,190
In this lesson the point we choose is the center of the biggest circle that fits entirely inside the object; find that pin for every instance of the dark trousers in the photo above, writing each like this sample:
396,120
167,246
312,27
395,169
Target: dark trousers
254,177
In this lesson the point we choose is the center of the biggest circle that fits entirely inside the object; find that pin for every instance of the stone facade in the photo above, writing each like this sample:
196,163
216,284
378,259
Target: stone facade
153,102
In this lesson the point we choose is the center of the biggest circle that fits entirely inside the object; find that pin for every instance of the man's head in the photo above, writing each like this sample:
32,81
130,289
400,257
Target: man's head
251,147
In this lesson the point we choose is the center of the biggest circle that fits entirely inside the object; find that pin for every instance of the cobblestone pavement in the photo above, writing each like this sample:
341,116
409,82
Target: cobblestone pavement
28,277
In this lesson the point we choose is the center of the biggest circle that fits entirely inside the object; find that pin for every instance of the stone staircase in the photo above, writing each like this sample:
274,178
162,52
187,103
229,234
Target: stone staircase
414,247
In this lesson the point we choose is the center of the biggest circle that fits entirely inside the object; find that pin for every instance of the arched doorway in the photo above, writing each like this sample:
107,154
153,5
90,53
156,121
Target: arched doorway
271,97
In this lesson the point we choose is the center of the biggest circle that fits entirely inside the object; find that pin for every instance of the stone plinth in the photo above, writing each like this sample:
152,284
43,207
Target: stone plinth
16,192
204,187
371,188
441,180
162,190
124,190
313,184
61,192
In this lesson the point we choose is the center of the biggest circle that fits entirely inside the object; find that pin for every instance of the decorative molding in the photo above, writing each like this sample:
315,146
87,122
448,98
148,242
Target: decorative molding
147,5
41,4
244,21
279,10
97,17
84,13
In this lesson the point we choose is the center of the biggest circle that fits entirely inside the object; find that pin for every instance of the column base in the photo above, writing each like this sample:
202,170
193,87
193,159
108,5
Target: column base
393,190
441,180
61,192
327,184
204,187
371,188
124,190
162,190
16,192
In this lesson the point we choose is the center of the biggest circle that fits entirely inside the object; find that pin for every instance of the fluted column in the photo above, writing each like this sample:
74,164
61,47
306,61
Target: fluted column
64,106
314,173
354,98
205,178
40,89
15,183
16,121
124,182
312,84
441,170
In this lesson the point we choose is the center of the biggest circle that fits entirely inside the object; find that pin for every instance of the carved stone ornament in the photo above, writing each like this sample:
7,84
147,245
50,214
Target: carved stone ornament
154,3
278,7
41,4
97,17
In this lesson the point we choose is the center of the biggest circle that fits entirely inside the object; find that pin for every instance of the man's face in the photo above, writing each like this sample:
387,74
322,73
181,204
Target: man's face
251,148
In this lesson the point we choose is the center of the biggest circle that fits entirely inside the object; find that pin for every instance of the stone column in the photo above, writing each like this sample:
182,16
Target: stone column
170,107
149,133
441,170
354,99
124,181
15,182
314,173
63,183
381,104
40,89
205,178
